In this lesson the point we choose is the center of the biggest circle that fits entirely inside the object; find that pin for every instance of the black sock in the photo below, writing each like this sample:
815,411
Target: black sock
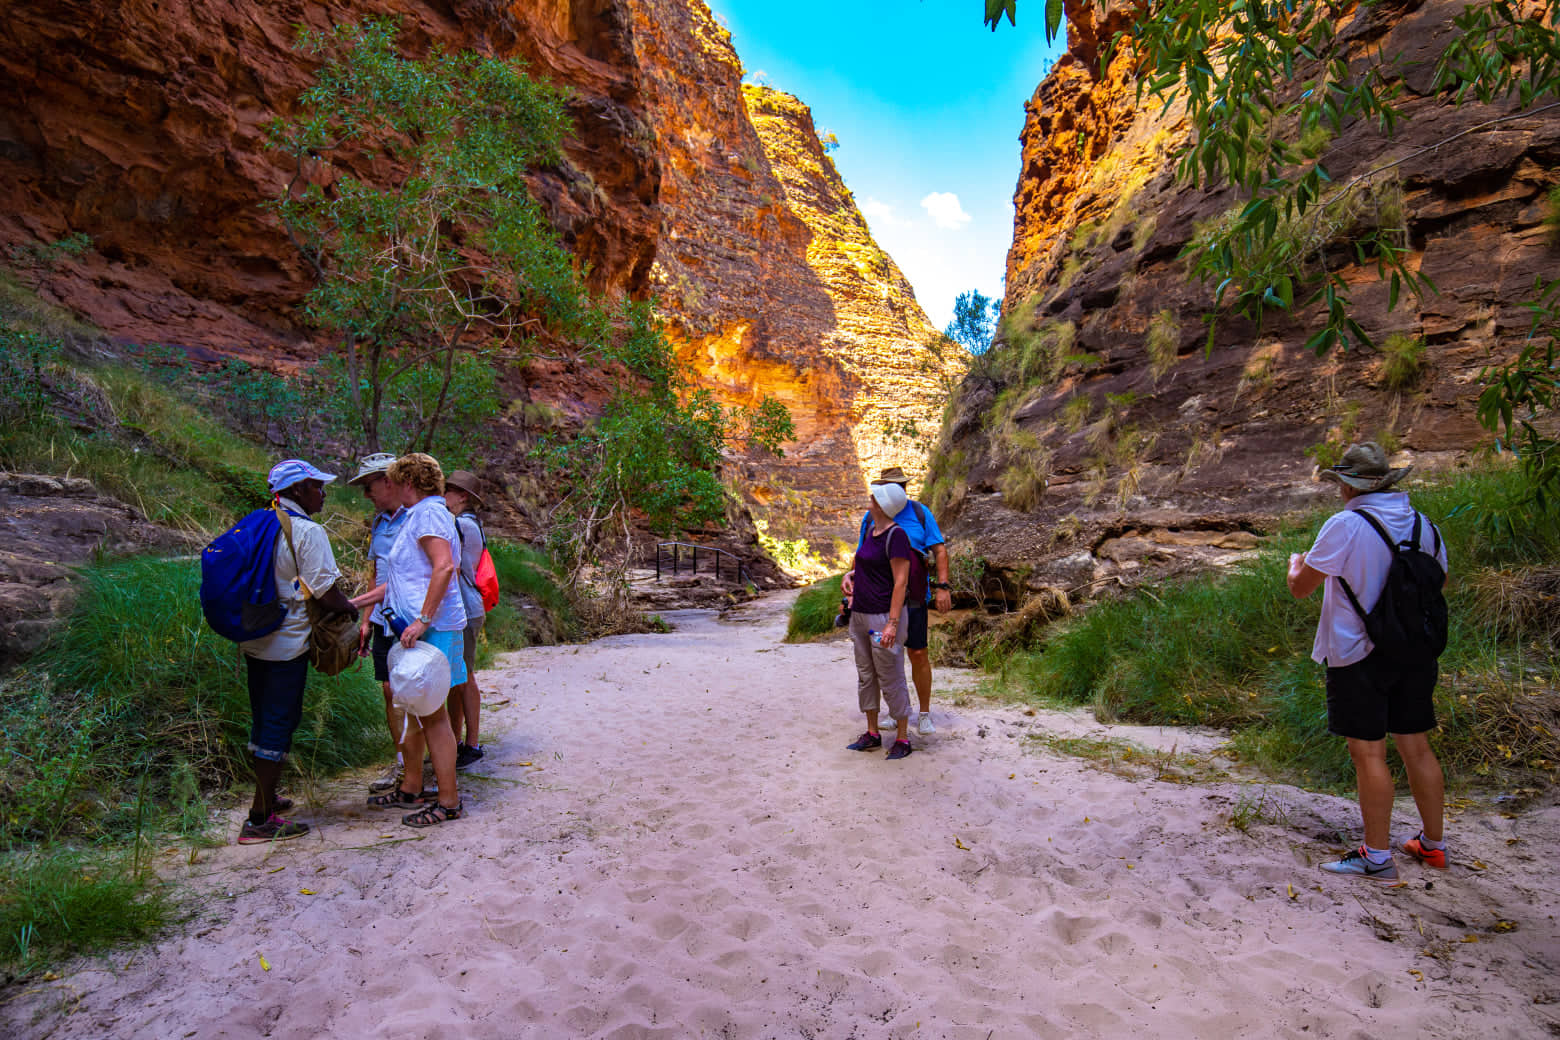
256,822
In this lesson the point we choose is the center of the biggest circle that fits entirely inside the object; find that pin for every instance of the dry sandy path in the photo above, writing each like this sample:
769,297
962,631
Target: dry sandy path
673,842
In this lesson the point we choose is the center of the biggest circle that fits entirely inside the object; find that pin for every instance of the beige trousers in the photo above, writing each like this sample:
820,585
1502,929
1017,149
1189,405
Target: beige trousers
880,671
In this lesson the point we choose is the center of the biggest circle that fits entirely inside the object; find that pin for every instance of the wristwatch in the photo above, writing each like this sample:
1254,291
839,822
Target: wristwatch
425,619
941,585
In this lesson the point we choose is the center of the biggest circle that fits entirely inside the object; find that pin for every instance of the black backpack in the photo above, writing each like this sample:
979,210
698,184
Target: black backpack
1408,622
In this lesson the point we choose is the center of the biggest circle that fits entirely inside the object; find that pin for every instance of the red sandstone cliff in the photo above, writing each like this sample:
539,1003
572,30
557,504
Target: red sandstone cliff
1146,447
140,125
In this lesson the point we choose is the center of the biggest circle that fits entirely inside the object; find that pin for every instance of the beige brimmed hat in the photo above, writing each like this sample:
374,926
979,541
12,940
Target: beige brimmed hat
371,466
1365,468
465,480
892,475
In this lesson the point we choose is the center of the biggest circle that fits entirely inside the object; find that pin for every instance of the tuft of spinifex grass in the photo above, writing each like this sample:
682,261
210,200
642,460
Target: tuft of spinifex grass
67,901
136,694
812,614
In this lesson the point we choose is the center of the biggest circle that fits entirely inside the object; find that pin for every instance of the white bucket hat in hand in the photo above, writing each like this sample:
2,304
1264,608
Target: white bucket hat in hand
419,678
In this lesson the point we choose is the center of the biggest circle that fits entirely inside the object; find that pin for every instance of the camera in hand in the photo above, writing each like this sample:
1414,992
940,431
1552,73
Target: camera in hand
843,617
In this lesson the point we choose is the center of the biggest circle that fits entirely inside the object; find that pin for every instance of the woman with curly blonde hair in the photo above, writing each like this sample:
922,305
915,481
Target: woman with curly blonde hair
421,591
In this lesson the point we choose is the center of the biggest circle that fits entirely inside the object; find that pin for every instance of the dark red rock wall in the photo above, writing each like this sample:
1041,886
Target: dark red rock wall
1221,436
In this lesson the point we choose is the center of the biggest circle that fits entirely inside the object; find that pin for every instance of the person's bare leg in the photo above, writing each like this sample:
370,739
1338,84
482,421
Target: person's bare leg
1424,779
455,707
872,721
902,729
412,749
1373,780
472,703
267,775
441,745
921,675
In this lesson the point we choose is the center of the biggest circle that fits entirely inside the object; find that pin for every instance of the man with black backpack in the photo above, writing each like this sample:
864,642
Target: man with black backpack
1382,626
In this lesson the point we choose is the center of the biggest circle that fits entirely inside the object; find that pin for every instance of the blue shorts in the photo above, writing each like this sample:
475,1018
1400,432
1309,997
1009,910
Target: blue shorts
275,704
452,646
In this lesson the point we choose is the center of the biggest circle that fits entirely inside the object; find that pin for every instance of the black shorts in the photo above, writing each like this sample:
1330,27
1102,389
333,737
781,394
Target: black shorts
915,631
379,645
1371,698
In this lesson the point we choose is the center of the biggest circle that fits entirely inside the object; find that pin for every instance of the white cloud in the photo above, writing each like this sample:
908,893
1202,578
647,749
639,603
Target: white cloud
945,210
880,214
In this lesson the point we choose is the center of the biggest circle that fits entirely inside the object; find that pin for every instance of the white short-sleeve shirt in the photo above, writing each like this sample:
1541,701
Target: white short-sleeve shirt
411,571
316,566
1348,548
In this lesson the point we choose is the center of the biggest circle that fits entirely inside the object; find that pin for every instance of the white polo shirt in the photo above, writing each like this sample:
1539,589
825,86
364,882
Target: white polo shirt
1349,548
316,565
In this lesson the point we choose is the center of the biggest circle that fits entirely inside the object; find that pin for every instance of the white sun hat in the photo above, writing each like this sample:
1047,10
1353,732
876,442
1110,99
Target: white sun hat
419,678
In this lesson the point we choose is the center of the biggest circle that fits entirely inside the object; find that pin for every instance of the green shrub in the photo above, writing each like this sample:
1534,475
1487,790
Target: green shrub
1552,214
812,614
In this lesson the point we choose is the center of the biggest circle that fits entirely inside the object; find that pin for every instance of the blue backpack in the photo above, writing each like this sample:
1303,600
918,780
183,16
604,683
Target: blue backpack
238,579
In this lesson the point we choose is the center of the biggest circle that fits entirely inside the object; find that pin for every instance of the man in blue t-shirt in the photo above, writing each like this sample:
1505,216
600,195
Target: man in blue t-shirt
919,523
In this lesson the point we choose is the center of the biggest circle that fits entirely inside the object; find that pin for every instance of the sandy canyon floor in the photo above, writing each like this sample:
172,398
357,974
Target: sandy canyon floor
669,839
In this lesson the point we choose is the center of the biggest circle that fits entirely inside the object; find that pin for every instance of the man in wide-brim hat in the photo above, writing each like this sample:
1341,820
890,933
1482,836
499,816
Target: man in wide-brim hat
1369,696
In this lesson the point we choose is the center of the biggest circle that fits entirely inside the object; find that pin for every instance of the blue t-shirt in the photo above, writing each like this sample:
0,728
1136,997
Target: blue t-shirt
386,527
922,537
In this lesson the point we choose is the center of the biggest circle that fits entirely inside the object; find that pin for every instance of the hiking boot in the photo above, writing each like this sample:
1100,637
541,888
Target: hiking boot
924,725
1356,865
1429,857
901,749
273,829
467,754
866,742
390,778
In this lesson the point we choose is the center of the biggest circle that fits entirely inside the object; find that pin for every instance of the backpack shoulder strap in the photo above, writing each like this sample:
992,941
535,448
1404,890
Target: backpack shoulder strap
1385,537
920,513
285,517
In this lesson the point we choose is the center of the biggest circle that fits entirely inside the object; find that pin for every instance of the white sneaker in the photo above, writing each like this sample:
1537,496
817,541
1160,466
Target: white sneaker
924,726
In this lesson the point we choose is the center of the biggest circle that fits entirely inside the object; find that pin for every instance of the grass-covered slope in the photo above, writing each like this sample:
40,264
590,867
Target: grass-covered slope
1233,650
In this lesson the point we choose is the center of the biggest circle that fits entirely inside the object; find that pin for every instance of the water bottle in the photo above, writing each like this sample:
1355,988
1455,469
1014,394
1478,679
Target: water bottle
843,617
875,636
396,622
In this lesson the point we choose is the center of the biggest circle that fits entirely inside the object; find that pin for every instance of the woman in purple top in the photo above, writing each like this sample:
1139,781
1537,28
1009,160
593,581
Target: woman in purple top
884,568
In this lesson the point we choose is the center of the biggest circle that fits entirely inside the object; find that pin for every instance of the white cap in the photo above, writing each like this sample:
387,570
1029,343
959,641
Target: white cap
288,472
891,498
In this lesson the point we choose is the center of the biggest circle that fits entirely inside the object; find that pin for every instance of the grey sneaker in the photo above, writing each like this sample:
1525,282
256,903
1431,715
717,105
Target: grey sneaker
1356,865
391,778
924,726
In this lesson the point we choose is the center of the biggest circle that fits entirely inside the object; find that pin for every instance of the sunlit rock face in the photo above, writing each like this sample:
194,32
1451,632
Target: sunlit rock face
772,285
1156,452
141,124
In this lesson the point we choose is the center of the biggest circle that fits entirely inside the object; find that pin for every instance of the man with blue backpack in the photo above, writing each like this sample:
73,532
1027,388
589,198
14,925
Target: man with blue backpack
1382,627
925,537
255,580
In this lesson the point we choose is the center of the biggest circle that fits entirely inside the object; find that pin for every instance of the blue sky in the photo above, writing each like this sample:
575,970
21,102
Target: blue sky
927,103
